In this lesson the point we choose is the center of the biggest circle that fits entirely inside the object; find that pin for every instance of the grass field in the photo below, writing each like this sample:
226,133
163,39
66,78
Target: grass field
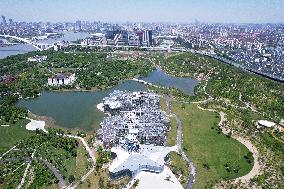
215,155
9,136
172,134
81,161
163,103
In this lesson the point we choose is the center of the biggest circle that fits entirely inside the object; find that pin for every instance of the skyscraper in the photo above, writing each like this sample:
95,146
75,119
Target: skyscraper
4,21
150,33
11,21
148,37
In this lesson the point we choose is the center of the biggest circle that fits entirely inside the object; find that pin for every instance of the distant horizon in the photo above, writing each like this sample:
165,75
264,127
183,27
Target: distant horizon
145,22
147,11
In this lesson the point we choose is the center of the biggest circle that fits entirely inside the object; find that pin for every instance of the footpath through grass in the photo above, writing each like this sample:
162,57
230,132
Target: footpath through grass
177,165
216,156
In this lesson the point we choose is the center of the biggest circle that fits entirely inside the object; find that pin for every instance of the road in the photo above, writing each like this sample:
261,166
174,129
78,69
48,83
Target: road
61,183
192,169
86,147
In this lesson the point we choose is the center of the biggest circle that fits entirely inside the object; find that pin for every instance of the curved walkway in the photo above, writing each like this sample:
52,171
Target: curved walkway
88,149
191,177
256,170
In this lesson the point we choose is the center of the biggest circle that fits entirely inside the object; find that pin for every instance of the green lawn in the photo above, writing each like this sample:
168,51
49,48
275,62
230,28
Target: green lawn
163,103
81,161
172,134
9,136
209,150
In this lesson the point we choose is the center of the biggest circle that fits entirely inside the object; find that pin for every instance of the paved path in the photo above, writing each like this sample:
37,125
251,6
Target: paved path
61,180
86,147
7,152
26,171
191,178
84,177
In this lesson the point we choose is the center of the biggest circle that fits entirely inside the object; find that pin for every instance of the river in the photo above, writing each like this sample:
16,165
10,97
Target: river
24,48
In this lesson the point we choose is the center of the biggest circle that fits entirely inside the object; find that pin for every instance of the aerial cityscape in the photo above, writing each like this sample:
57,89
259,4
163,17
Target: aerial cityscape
139,94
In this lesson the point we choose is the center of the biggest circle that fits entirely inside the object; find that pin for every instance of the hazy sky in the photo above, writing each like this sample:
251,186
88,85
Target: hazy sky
240,11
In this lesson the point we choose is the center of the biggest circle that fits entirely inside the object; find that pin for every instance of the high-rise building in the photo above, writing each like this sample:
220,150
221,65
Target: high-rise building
148,38
4,21
11,21
140,37
150,33
79,25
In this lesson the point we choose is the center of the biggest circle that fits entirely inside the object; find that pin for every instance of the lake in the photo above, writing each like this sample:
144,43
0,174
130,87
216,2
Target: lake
74,109
158,77
79,109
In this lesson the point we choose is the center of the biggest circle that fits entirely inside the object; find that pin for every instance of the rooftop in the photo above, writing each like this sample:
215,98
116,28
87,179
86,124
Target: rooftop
266,123
149,155
165,180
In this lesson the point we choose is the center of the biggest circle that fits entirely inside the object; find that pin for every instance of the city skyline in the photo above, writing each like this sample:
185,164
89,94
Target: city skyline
181,11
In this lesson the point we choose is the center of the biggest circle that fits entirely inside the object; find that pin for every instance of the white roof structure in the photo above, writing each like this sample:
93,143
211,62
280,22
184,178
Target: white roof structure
164,180
266,123
98,34
133,131
34,125
131,137
150,157
113,104
122,155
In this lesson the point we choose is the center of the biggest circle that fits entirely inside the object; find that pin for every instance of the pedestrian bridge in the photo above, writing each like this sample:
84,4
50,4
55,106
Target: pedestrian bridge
38,46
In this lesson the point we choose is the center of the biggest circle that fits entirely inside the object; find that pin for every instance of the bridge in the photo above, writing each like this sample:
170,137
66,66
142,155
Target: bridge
38,46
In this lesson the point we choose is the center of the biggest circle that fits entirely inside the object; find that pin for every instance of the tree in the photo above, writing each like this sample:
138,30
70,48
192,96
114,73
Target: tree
71,178
100,149
88,183
135,184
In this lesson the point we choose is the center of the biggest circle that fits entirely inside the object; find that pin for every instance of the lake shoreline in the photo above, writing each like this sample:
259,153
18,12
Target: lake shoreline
75,109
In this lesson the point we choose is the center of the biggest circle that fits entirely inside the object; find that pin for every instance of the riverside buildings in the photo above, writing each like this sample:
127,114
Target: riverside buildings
255,47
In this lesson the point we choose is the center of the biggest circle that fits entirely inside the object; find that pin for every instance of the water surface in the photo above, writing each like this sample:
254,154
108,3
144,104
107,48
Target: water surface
24,48
79,109
158,77
75,109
